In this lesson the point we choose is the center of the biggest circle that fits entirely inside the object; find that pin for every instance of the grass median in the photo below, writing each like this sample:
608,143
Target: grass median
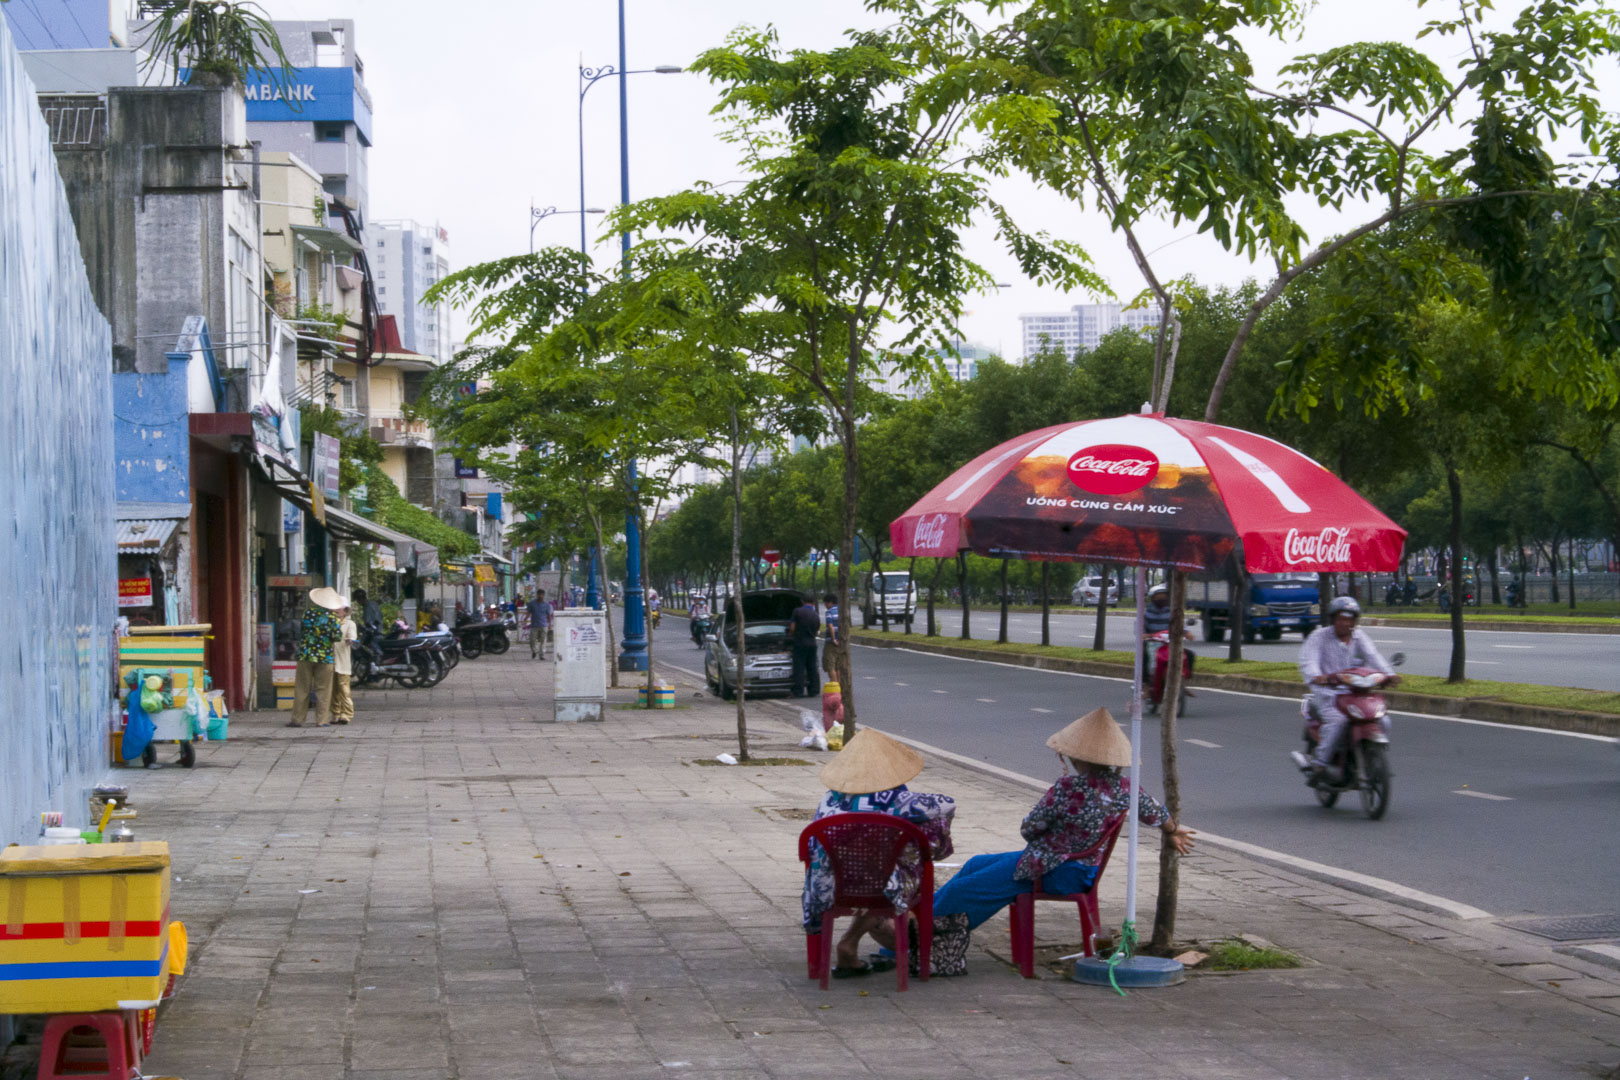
1285,674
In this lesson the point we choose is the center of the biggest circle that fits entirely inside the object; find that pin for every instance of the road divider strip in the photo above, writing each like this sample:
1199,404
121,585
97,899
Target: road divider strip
1475,710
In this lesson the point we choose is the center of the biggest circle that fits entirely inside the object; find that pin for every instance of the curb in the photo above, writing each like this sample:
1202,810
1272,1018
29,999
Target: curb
1498,712
1494,624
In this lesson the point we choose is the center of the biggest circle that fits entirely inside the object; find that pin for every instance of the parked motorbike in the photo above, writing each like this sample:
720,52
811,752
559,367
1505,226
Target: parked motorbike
700,625
478,636
1361,758
1161,669
406,660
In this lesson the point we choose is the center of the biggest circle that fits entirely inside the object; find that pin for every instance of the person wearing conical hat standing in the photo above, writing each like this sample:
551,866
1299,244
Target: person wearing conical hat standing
869,777
1064,834
320,632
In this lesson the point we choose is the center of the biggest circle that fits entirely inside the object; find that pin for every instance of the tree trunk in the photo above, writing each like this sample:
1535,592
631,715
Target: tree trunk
642,533
1002,635
961,587
1046,603
846,553
1496,583
939,567
1459,647
1551,553
607,597
1571,571
1099,637
1237,614
736,572
911,577
1164,912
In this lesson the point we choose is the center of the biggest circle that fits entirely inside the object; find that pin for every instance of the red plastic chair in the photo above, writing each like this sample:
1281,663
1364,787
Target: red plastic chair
90,1046
1022,913
862,850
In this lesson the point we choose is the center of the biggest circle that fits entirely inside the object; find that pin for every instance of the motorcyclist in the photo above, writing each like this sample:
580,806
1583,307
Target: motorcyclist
1327,651
1155,620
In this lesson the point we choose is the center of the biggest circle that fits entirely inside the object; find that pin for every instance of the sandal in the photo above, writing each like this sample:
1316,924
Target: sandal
869,967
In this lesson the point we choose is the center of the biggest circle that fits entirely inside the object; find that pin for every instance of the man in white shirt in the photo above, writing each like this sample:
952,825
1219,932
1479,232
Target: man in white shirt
342,667
1327,651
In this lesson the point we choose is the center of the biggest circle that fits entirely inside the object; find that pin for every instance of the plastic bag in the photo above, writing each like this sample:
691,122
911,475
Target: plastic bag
197,716
814,738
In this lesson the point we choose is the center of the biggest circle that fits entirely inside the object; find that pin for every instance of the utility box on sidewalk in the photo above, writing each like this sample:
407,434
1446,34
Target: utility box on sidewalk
580,686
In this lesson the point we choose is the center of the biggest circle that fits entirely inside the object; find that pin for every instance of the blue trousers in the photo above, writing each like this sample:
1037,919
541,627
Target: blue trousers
986,884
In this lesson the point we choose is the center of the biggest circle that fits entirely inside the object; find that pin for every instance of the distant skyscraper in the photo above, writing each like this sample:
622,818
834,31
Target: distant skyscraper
406,260
1083,326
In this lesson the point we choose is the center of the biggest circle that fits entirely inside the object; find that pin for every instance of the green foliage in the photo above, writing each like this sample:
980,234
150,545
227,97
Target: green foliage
226,38
357,452
328,323
1235,954
390,508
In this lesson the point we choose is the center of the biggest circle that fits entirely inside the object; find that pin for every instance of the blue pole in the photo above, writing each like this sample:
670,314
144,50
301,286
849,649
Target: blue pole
633,651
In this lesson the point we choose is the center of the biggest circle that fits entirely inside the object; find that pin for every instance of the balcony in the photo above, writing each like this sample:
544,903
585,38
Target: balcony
391,428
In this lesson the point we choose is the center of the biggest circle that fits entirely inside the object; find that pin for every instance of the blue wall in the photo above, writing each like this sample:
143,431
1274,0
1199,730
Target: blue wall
58,591
152,436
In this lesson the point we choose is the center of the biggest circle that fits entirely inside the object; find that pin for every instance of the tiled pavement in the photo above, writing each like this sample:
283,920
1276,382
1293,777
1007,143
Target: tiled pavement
450,888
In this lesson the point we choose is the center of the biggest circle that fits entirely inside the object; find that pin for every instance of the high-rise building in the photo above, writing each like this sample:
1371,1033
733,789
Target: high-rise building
1083,326
406,260
321,111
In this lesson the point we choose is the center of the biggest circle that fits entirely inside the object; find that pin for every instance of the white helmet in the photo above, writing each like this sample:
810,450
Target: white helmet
1159,590
1344,603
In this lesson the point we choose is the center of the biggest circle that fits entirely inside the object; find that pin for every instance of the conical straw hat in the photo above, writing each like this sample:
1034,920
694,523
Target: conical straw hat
1096,738
327,598
869,762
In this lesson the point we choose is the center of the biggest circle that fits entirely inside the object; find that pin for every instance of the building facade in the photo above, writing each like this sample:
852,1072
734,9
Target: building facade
407,259
1083,326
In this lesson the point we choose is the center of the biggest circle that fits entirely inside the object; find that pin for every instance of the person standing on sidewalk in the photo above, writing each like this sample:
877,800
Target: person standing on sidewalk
321,630
342,701
539,624
803,626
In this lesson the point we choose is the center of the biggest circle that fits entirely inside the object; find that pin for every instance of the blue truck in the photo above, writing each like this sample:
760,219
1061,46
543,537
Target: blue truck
1278,603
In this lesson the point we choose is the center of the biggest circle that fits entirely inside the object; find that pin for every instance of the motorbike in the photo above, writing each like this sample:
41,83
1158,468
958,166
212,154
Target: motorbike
1361,758
478,636
1161,669
700,625
407,660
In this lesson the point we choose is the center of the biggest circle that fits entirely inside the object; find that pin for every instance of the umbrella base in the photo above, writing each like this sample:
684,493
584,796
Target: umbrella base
1137,972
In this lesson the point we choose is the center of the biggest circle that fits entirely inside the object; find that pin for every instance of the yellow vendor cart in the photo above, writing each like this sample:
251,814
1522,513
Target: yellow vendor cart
85,936
178,656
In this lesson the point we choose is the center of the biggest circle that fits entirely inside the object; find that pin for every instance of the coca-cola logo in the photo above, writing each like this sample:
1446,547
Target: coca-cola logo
1328,546
1113,468
930,533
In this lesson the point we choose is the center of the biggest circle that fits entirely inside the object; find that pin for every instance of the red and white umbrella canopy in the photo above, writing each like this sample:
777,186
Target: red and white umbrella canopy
1150,490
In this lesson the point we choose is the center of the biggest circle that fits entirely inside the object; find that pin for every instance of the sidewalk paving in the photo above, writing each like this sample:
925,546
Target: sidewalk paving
449,888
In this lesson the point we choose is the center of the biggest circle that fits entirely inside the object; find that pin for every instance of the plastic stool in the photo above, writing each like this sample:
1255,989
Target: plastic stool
65,1055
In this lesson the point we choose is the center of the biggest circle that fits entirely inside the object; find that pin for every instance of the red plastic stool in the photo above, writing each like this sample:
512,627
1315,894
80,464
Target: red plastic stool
68,1050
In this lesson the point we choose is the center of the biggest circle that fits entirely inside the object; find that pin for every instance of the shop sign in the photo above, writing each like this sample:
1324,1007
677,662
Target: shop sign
135,592
290,581
483,574
465,472
323,462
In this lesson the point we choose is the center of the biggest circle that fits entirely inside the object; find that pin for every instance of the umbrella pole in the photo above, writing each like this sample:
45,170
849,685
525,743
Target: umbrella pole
1136,750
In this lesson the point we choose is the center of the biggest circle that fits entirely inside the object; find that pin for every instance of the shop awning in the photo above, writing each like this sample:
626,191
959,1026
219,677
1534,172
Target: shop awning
323,239
350,526
148,527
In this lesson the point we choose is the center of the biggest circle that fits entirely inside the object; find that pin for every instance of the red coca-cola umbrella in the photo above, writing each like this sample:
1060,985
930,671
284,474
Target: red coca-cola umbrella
1144,491
1155,491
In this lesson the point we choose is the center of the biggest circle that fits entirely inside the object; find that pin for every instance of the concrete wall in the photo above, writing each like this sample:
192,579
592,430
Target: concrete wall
56,486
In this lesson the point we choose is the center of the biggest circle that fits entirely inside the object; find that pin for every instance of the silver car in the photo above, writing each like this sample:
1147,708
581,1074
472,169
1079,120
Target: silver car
768,663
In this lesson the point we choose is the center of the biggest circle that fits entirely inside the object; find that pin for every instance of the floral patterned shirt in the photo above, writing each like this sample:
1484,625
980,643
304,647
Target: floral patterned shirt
932,813
320,632
1071,819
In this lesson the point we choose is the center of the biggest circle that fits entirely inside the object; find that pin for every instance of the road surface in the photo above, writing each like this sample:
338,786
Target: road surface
1510,820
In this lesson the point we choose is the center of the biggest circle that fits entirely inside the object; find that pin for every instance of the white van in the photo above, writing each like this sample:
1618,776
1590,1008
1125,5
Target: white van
888,596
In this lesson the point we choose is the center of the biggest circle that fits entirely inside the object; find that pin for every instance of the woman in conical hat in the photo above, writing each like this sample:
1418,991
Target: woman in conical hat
1064,835
869,776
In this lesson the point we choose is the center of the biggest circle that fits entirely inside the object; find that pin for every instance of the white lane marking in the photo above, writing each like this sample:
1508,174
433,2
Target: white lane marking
1512,646
987,700
1366,881
1038,709
941,691
1487,663
869,676
1483,795
902,684
1379,641
1204,742
1264,697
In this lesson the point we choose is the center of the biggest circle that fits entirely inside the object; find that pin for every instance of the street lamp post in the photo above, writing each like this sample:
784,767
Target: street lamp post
537,215
633,642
